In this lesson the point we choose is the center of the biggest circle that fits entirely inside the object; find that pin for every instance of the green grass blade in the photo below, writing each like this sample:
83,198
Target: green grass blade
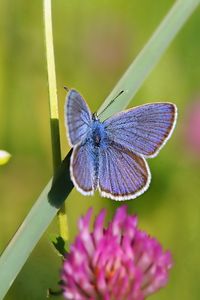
25,239
34,225
45,208
148,57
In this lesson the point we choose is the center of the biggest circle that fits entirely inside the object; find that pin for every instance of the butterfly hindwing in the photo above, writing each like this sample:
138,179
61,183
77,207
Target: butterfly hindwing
82,169
122,174
143,129
77,117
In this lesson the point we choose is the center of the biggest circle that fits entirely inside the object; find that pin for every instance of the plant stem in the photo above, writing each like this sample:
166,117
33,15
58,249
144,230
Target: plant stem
54,116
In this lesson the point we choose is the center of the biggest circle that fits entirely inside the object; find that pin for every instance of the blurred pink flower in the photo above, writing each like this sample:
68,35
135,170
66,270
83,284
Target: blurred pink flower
119,262
193,128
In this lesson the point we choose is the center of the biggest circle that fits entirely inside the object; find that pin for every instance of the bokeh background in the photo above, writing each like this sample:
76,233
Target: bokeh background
94,43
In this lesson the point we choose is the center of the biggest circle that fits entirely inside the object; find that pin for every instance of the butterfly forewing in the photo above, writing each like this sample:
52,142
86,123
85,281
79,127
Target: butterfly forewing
143,129
78,117
122,174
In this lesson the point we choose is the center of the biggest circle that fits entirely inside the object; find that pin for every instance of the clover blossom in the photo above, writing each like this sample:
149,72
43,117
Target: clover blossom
119,262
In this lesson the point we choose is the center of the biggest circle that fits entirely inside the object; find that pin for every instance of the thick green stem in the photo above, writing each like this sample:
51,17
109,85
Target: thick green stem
53,101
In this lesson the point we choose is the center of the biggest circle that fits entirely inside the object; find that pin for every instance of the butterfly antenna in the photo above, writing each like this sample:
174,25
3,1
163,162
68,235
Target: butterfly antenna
109,104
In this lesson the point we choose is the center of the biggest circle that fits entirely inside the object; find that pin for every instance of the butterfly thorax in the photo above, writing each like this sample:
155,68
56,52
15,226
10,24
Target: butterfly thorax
98,134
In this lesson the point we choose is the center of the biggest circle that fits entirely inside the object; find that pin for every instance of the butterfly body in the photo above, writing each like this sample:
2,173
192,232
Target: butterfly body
110,155
95,140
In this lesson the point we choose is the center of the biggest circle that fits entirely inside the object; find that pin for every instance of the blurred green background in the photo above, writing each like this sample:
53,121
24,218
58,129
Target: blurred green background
94,43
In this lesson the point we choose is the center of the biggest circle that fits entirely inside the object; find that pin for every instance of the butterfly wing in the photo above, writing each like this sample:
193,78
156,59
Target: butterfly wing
82,169
77,117
123,175
144,129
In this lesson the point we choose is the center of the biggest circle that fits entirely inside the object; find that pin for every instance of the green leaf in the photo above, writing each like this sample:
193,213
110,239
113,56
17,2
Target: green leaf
59,245
46,206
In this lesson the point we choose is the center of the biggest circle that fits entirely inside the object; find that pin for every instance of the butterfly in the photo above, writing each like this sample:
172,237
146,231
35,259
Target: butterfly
110,156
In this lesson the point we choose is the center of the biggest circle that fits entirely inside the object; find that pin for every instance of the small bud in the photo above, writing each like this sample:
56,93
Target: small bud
4,157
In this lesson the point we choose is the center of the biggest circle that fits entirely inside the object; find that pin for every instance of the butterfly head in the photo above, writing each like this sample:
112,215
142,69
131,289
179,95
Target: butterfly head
95,117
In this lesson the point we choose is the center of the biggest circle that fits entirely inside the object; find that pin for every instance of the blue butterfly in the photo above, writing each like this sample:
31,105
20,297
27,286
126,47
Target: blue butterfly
110,155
